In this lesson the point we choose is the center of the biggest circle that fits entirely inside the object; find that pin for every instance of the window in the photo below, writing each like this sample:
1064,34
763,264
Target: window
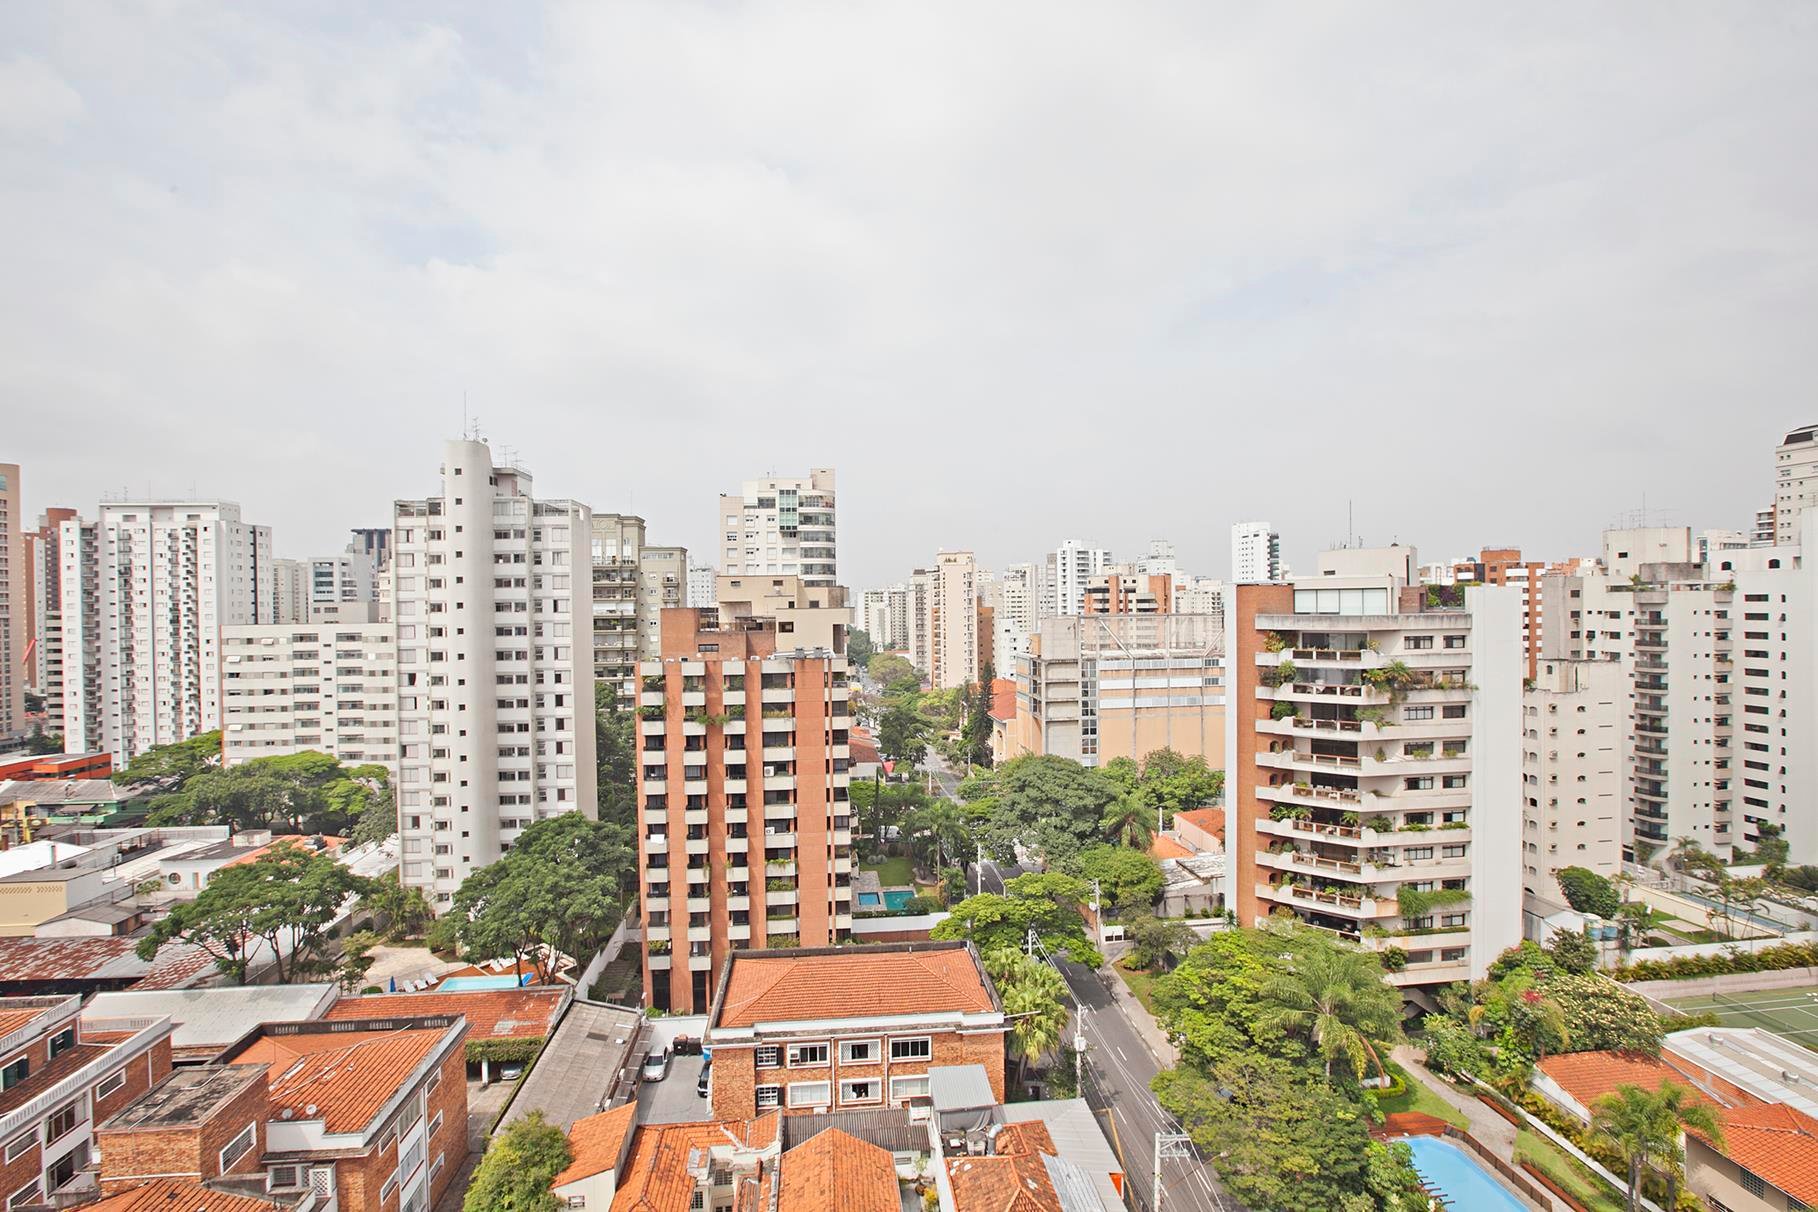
435,1125
110,1083
237,1148
1417,713
62,1122
698,1201
809,1094
912,1049
903,1088
1455,641
769,1057
17,1147
15,1073
284,1178
807,1056
769,1096
866,1091
858,1052
435,1079
28,1194
1752,1183
1417,641
389,1189
62,1042
1456,711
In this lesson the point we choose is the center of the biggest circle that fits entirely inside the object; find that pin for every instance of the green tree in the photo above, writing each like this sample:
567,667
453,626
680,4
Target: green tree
894,675
1644,1126
1588,892
902,734
287,898
941,833
1032,994
975,727
1156,940
1128,822
1213,1001
405,909
356,960
1574,951
1051,805
859,647
1772,848
1337,1000
517,1168
170,766
1127,879
1173,782
1047,904
615,751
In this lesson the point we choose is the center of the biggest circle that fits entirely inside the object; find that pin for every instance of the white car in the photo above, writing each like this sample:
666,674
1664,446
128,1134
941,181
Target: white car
655,1067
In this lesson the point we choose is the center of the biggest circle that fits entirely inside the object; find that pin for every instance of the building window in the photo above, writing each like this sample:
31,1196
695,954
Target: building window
912,1049
435,1125
858,1052
110,1083
61,1123
1417,713
284,1178
809,1094
1455,641
698,1201
1417,641
28,1194
858,1092
807,1056
769,1057
15,1073
237,1148
62,1042
769,1096
904,1088
1752,1183
435,1079
19,1145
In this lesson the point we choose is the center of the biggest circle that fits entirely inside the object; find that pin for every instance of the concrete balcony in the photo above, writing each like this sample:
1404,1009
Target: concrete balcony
700,934
779,870
1309,864
738,845
780,840
739,933
779,812
1329,797
700,904
733,698
1292,759
694,816
651,727
694,698
656,845
735,903
780,694
779,782
733,786
656,934
659,963
779,723
779,753
696,845
650,698
780,898
733,728
655,786
1363,908
694,787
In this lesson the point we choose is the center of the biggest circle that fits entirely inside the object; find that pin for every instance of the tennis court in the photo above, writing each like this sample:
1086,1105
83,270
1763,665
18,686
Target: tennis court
1789,1013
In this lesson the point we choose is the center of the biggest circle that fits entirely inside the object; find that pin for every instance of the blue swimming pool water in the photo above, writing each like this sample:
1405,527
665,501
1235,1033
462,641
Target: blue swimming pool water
868,900
1460,1181
456,984
896,898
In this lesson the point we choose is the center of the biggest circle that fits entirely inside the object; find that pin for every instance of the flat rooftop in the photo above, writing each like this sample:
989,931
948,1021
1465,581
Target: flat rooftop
187,1098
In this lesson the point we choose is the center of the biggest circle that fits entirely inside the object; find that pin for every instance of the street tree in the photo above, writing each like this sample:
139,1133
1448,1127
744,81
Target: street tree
518,1167
1127,879
1032,993
1645,1126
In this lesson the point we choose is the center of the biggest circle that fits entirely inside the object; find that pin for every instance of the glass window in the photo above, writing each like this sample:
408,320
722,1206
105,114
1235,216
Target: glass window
807,1055
911,1049
809,1094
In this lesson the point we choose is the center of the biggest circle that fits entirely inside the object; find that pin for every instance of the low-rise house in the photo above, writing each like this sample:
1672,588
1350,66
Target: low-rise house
597,1148
59,1076
31,967
189,873
1768,1162
504,1026
841,1028
208,1021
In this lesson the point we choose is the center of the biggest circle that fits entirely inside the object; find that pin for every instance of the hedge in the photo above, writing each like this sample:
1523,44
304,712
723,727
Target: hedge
1688,967
503,1051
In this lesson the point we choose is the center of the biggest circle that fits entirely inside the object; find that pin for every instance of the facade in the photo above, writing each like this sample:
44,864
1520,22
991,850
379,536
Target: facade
146,589
953,621
701,584
662,585
618,545
841,1029
1100,687
1071,567
1795,483
1573,724
1761,533
1129,592
801,614
15,605
734,851
1255,553
782,526
1015,599
325,589
63,1077
1374,766
373,543
46,573
331,687
920,601
495,666
1201,595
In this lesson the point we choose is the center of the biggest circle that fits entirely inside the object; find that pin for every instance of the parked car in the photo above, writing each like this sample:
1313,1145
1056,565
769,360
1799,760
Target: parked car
655,1067
700,1087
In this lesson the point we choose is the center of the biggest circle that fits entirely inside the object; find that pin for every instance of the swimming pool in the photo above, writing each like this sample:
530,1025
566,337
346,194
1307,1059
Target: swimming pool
1457,1177
893,898
458,984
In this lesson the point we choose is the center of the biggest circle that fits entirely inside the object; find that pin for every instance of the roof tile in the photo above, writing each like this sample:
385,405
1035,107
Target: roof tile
596,1142
836,1170
854,984
1777,1143
490,1013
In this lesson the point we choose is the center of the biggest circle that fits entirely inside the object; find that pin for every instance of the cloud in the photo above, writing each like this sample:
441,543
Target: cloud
35,102
1019,271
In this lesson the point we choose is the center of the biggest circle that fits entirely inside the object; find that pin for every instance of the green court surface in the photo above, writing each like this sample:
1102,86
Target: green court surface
1789,1013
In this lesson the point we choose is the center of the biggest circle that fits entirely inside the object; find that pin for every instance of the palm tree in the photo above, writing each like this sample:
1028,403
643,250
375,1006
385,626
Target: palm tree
1337,998
1127,823
945,826
1031,992
1645,1126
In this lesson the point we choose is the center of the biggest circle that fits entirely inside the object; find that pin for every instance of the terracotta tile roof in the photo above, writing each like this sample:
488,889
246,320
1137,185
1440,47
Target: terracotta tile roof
490,1013
1161,846
12,1020
655,1175
1212,820
1019,1183
763,1130
1025,1136
836,1170
255,853
346,1085
862,747
180,1195
859,983
99,959
1777,1143
1003,699
1588,1076
594,1143
40,1080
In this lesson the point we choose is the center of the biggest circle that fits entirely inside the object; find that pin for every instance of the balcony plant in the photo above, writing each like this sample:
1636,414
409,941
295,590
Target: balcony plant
1373,715
659,946
1414,827
1274,641
1394,959
779,885
650,712
1348,819
1414,903
1283,711
1379,823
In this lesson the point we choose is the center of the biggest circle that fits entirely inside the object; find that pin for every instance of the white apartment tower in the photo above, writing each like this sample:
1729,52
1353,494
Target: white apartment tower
953,621
15,605
1071,567
782,526
325,589
1795,482
702,582
1013,616
1255,553
330,687
1574,717
495,666
141,636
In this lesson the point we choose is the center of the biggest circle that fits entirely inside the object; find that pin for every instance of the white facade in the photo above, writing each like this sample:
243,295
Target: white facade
662,585
1013,616
874,616
1255,553
782,526
701,584
1160,561
953,621
324,589
142,637
330,687
1072,566
15,605
918,600
495,671
1573,724
1201,595
1795,483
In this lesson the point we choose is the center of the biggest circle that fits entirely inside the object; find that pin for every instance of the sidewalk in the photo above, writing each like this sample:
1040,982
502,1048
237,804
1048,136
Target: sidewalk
1492,1130
1147,1029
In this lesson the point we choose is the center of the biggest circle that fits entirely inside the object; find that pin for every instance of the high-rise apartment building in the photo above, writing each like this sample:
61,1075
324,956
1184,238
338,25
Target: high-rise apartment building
325,589
495,666
15,605
617,552
1071,567
662,585
1201,595
1014,605
1375,760
1255,553
1761,533
745,827
920,613
1573,722
782,526
330,687
953,621
874,616
1161,560
1124,591
701,583
146,589
1795,483
1099,687
373,544
45,571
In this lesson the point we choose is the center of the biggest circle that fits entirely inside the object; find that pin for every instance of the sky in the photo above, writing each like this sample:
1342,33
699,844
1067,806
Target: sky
1486,274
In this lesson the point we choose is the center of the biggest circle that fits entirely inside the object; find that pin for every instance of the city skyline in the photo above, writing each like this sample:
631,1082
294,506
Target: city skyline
294,281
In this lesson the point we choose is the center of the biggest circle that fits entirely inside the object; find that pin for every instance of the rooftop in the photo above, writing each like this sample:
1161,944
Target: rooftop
343,1078
58,793
64,960
836,1170
656,1172
1759,1062
181,1195
237,851
1161,846
888,980
597,1143
208,1020
1588,1076
1003,699
1776,1143
187,1097
1212,820
529,1013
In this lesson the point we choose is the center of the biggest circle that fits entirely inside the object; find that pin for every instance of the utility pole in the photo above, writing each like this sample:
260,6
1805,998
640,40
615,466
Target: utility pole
1167,1144
979,867
1079,1052
1029,943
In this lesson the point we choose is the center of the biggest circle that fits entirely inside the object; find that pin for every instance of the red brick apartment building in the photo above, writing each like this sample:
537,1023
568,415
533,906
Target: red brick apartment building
841,1029
58,1079
343,1116
745,828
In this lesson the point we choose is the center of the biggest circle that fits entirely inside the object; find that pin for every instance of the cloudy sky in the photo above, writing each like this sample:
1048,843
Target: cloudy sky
1493,273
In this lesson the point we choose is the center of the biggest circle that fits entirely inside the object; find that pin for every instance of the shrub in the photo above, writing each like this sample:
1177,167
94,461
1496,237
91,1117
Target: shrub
1588,892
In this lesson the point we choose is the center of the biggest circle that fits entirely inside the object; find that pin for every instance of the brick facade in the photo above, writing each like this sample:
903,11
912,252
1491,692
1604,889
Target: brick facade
130,1156
736,1075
